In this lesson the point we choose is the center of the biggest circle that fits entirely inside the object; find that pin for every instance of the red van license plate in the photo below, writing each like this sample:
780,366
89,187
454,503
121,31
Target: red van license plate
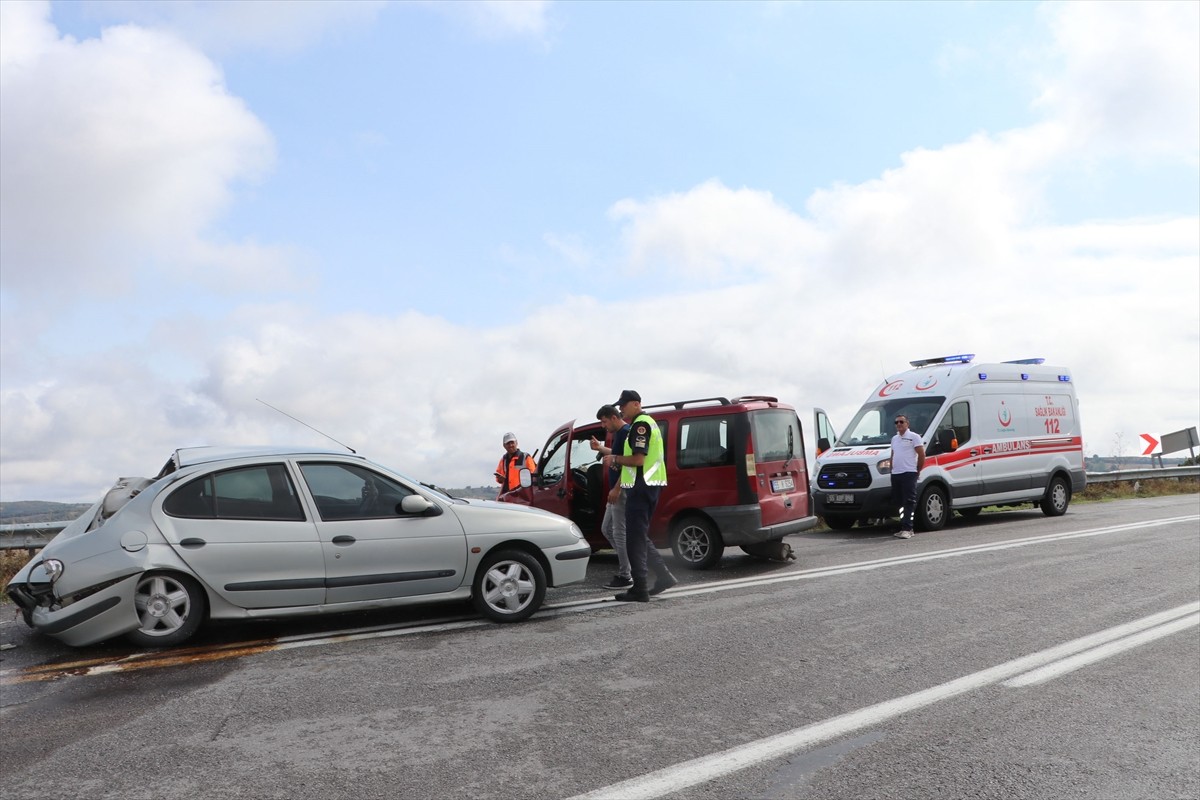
782,484
841,498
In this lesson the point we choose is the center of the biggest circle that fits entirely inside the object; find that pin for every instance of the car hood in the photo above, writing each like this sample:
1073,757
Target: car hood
490,516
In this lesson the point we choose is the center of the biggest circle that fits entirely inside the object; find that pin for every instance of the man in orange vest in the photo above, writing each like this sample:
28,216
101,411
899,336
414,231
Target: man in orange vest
508,471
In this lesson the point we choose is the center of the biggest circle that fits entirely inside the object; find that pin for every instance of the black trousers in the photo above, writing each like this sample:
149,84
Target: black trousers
639,508
904,497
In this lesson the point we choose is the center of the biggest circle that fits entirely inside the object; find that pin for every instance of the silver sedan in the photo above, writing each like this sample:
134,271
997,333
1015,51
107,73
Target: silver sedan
241,533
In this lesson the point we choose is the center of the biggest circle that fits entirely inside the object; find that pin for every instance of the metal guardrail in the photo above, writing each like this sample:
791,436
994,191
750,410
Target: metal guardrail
1143,474
29,535
34,535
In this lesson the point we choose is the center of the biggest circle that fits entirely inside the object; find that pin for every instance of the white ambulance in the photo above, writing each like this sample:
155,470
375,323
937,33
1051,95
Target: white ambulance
995,435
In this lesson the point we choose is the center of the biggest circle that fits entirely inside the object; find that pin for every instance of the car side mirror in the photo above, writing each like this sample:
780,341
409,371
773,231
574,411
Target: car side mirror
414,504
822,445
525,478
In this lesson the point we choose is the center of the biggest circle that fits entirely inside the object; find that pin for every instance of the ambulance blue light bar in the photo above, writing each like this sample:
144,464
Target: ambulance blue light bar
964,358
1065,378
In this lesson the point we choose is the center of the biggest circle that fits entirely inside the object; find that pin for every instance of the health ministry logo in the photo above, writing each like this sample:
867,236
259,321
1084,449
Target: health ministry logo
1004,415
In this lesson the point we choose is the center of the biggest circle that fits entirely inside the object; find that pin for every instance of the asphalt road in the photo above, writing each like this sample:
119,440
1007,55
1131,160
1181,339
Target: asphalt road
1016,657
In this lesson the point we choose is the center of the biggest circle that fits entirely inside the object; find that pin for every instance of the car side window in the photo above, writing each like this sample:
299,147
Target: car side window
348,491
704,442
960,419
263,491
554,463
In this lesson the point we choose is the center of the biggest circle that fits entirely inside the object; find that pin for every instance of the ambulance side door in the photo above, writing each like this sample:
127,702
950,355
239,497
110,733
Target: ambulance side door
952,448
1005,457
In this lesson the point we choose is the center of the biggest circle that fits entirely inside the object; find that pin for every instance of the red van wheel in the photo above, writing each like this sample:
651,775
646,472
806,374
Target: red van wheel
696,542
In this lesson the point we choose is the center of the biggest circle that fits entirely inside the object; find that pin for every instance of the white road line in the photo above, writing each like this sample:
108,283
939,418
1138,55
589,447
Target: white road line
1051,671
707,768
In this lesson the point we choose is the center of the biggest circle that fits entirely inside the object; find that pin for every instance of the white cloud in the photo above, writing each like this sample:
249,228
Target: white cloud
502,18
116,153
1130,78
713,233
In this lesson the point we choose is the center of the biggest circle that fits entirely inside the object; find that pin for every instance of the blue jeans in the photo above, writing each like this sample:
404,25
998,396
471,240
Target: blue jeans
904,497
613,528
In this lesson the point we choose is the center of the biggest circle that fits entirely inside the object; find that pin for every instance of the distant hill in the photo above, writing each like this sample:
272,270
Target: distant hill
21,511
476,492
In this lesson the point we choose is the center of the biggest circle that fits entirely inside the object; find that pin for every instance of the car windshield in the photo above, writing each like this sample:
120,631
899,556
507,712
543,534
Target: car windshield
873,424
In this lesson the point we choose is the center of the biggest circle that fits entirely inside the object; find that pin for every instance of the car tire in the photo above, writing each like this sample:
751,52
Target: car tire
839,522
1058,497
932,509
509,586
171,607
696,542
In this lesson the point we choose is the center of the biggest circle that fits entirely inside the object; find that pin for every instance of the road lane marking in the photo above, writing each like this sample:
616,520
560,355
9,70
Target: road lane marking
708,768
1051,671
166,658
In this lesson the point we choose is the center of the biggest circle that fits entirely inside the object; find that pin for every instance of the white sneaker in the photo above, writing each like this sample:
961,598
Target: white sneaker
903,535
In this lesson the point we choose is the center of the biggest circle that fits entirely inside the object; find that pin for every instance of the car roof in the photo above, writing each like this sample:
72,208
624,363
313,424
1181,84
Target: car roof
187,456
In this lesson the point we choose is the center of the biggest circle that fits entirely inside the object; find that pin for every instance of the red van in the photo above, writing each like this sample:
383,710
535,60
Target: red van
736,476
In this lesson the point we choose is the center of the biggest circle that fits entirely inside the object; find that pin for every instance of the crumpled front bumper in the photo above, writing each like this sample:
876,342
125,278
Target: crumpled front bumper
101,615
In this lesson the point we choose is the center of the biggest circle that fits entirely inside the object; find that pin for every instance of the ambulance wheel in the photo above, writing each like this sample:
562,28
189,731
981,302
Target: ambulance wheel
1058,497
696,542
932,510
840,523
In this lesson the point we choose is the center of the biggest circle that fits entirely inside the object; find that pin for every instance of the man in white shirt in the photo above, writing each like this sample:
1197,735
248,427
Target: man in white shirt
908,458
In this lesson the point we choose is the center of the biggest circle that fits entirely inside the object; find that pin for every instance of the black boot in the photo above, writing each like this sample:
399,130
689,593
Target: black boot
636,593
664,581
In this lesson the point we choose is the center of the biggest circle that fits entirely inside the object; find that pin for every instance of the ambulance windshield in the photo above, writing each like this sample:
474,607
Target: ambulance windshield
874,422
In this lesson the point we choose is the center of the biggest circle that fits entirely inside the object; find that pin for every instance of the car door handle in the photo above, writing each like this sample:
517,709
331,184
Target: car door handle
192,543
344,540
974,452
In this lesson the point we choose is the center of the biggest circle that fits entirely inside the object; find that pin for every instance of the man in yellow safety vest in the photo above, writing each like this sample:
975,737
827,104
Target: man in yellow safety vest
643,474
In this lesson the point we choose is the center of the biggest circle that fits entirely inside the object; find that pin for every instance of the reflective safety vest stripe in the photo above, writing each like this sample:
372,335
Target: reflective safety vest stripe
654,468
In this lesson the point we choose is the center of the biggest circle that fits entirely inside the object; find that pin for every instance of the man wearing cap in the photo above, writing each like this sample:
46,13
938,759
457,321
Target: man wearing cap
508,471
643,474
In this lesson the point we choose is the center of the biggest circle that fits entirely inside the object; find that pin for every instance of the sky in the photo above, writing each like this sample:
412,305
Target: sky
418,225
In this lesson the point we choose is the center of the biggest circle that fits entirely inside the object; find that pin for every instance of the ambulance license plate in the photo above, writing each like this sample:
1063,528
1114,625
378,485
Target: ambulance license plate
782,484
841,498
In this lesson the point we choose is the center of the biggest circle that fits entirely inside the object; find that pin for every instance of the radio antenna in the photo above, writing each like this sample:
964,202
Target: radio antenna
305,424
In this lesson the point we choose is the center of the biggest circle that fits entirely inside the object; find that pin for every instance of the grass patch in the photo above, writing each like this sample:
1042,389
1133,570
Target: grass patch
1128,490
11,562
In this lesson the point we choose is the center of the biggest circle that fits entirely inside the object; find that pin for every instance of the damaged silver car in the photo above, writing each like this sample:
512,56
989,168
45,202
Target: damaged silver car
244,533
